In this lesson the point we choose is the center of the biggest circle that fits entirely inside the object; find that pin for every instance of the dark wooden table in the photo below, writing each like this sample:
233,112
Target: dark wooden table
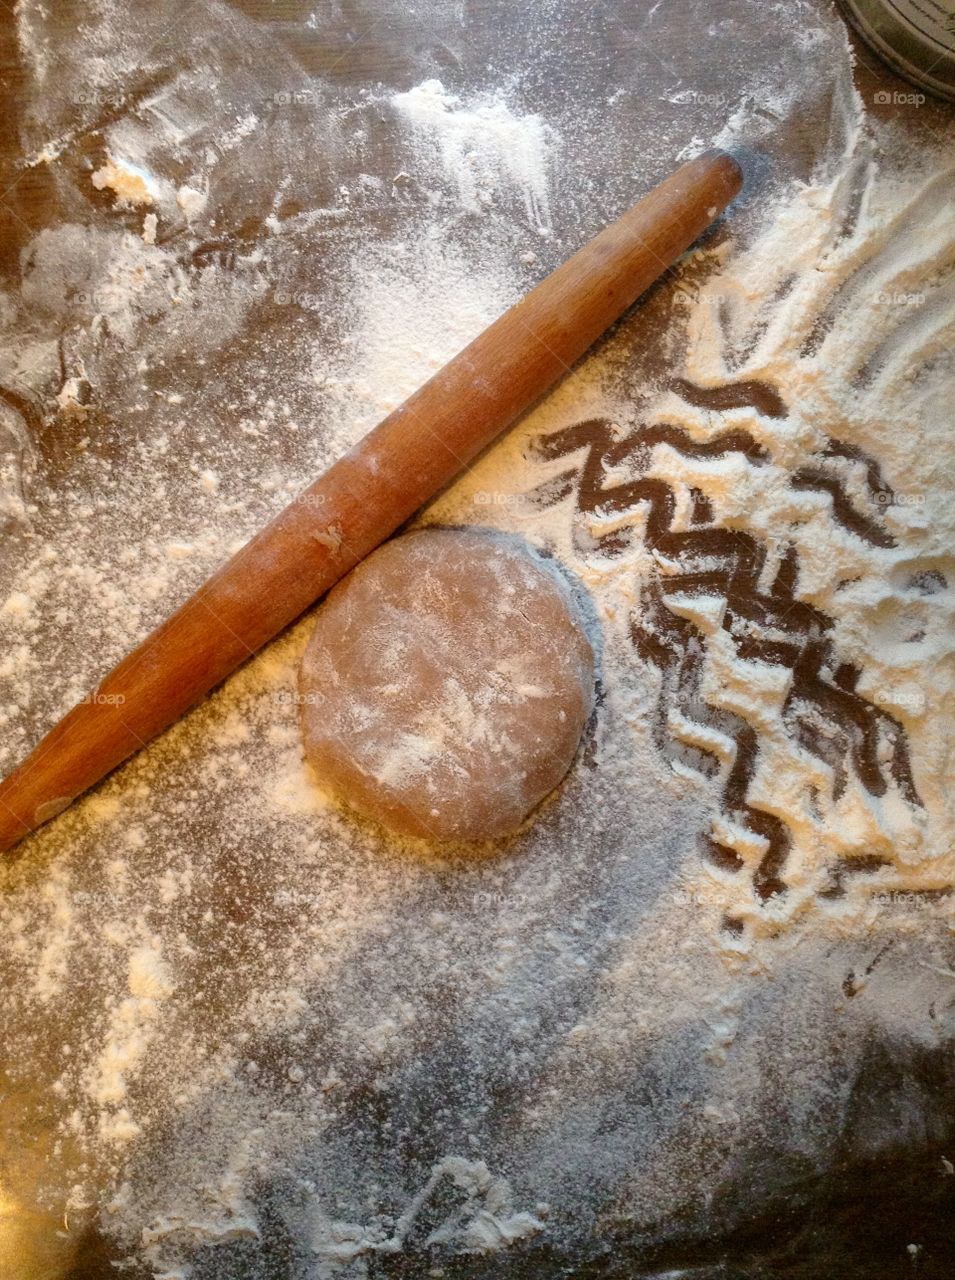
629,85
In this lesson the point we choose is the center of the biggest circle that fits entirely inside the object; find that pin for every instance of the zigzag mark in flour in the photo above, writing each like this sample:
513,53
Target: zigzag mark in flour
823,712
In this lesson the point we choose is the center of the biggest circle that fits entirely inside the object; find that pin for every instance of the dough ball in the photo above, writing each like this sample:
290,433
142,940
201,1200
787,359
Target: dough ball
446,685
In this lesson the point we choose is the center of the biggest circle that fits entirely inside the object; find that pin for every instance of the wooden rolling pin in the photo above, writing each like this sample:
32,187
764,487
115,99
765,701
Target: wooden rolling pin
365,496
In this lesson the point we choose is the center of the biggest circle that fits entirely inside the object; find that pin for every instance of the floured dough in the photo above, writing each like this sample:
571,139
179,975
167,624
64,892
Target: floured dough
446,685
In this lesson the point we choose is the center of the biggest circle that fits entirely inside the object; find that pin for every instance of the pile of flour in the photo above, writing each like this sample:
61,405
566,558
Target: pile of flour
237,1025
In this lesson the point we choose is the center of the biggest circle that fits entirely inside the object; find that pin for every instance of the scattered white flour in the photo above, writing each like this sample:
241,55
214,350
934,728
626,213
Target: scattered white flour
483,146
131,184
191,201
236,1024
415,305
127,1040
483,1221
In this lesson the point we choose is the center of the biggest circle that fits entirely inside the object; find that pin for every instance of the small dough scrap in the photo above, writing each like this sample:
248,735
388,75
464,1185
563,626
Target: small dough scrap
447,684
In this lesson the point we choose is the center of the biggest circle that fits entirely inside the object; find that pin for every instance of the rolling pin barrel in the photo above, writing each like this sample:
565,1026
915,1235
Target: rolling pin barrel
364,497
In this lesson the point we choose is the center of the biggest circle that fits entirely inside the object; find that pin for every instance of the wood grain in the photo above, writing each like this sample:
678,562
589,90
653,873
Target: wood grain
365,496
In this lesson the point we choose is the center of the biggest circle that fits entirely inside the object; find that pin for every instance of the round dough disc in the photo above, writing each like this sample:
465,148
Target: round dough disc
446,685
